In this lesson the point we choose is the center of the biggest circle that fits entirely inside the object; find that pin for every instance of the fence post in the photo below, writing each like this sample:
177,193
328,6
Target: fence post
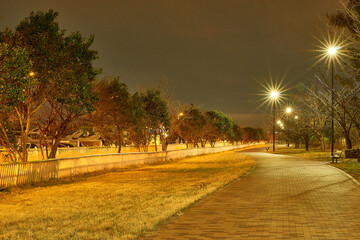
17,175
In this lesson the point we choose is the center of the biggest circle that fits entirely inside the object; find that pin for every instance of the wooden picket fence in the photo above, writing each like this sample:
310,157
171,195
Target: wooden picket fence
22,173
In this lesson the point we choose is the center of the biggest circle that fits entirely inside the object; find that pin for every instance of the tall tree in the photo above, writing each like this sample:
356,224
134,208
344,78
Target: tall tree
157,115
251,134
239,134
223,123
113,115
191,126
139,132
63,65
18,103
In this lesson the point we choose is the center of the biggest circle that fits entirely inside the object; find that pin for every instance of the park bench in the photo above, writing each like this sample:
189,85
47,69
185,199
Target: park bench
336,155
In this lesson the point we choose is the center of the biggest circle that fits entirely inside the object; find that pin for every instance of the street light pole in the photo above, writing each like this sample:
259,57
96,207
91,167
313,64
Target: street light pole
332,108
274,96
332,51
274,112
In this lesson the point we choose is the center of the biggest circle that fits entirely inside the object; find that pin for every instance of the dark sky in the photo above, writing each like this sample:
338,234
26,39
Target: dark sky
212,52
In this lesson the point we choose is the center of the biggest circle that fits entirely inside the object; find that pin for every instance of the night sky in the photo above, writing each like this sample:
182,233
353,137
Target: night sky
212,52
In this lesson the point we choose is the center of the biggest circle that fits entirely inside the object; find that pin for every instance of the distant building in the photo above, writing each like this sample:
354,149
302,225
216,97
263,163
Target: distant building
77,139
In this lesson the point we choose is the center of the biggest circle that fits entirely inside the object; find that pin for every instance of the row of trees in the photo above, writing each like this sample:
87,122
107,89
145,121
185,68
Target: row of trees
48,82
314,105
147,116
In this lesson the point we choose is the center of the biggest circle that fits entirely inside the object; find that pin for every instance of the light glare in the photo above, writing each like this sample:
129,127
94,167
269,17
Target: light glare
273,91
274,94
332,51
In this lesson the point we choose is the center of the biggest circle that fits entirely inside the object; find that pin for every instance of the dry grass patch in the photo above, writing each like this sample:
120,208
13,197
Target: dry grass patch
116,205
352,167
313,154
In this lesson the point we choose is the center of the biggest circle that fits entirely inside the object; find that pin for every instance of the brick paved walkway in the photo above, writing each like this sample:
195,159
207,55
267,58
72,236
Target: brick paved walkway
282,198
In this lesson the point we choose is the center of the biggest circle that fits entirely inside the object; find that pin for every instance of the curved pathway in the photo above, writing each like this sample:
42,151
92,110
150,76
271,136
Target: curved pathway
284,197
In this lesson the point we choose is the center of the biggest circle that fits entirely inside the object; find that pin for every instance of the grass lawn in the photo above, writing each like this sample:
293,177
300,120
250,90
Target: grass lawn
350,166
118,204
313,154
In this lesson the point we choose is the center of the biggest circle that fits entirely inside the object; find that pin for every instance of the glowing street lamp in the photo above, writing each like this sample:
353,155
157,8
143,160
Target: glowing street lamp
274,96
332,51
31,74
180,115
288,110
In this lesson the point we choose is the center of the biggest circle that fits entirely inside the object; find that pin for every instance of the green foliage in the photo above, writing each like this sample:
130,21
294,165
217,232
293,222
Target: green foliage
191,126
157,114
113,113
251,134
238,133
15,81
73,86
156,109
262,134
15,95
139,132
41,35
64,75
223,123
62,63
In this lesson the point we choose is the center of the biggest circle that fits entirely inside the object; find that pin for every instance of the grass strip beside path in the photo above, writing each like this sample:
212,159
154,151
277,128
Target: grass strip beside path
313,154
116,205
350,166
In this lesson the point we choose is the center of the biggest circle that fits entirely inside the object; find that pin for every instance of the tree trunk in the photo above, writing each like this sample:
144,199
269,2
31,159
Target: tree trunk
348,141
306,142
120,142
164,143
322,141
155,135
54,147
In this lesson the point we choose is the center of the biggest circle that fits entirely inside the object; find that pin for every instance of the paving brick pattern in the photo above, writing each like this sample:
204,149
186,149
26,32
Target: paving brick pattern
284,197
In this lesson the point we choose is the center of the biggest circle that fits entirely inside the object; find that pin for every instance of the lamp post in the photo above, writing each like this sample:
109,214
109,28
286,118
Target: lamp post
274,96
332,54
180,114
